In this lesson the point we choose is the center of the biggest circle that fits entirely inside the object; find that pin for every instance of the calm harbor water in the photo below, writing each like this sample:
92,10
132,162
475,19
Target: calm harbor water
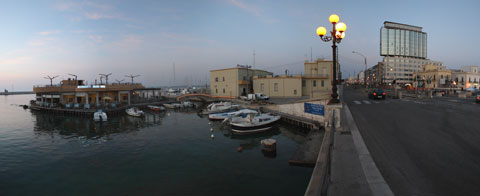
166,153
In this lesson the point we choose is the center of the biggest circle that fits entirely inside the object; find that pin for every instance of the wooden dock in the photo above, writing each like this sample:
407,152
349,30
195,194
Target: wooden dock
295,120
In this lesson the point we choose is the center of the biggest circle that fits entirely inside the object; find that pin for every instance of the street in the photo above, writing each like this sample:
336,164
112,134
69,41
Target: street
421,146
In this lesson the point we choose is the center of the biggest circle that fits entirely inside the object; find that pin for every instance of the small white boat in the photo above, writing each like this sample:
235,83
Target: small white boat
187,104
155,108
253,123
134,112
172,105
223,116
100,116
220,107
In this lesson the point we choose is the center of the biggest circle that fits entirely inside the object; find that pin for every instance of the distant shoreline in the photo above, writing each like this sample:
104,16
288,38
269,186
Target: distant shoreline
17,93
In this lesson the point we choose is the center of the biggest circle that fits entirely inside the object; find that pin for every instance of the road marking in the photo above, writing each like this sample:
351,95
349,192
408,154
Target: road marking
357,102
376,102
366,102
453,100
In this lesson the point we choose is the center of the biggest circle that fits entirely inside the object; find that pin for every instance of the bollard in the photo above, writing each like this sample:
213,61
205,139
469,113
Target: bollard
269,145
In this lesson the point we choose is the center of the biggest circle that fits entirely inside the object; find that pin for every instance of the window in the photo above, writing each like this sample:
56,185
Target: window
262,86
314,83
244,77
216,79
216,90
275,87
323,83
304,83
223,91
295,91
223,79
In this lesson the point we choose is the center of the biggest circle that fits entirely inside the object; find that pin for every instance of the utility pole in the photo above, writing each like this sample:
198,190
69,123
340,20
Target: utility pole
254,58
106,77
51,79
119,81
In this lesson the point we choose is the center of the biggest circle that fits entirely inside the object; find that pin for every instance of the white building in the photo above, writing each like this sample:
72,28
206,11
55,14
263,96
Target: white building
467,76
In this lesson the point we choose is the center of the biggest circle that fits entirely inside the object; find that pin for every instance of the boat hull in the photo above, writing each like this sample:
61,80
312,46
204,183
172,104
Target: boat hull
252,129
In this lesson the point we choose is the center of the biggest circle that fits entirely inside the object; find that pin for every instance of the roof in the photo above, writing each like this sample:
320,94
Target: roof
396,25
233,68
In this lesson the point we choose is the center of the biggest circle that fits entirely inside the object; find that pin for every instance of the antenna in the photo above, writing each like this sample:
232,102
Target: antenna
311,54
119,81
173,73
132,76
105,76
254,58
76,83
51,79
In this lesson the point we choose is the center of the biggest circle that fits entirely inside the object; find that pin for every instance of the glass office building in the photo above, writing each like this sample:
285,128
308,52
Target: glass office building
404,51
403,40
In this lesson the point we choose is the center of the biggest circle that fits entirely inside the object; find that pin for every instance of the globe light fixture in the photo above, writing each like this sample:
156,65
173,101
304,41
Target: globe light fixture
333,18
321,31
341,27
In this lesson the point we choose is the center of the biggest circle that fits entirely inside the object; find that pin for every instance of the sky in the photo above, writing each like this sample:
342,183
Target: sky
152,38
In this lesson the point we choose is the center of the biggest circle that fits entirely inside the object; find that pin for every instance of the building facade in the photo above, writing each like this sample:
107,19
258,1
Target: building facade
280,86
235,81
375,74
316,81
433,76
74,93
466,77
404,48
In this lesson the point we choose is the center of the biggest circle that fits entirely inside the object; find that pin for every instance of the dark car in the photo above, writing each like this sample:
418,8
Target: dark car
377,94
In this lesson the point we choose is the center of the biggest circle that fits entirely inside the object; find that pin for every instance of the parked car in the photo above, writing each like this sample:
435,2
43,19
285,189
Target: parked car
478,98
255,97
377,94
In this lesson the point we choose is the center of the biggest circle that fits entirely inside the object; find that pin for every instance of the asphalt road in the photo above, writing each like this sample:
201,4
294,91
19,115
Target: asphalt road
421,147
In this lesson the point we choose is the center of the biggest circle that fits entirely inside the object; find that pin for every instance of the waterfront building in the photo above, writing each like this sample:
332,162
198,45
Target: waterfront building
279,86
235,81
404,48
433,76
76,94
315,82
466,77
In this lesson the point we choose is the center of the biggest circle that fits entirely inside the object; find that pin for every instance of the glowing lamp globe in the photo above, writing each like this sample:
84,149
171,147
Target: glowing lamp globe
333,18
321,31
341,27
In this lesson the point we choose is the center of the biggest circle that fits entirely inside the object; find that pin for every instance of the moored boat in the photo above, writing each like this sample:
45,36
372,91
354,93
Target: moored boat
220,107
172,105
155,108
100,116
225,115
134,112
253,123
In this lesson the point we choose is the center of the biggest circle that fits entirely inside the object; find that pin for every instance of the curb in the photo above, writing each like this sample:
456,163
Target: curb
375,180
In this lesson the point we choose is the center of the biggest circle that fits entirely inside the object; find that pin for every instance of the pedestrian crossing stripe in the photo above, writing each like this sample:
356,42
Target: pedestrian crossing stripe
366,102
357,102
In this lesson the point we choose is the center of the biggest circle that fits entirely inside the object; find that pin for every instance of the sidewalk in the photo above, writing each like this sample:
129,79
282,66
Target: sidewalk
353,171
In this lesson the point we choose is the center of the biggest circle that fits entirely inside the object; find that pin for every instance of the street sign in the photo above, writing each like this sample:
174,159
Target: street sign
316,109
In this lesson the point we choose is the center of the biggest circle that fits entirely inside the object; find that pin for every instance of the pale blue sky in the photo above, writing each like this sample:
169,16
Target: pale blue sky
40,38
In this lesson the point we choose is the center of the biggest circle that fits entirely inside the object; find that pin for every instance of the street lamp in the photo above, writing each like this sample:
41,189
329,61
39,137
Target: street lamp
336,36
364,72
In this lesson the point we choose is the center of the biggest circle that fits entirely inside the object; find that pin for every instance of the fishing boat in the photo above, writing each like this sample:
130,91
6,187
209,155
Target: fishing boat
134,112
155,108
253,123
100,116
225,115
220,107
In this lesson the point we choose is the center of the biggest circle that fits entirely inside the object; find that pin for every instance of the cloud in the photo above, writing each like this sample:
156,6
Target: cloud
252,9
96,38
89,10
97,16
46,33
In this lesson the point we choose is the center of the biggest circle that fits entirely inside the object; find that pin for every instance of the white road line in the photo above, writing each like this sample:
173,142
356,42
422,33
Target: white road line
357,102
376,102
452,100
366,102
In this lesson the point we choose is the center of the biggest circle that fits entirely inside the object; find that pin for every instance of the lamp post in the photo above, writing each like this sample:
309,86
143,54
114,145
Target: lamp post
364,72
337,34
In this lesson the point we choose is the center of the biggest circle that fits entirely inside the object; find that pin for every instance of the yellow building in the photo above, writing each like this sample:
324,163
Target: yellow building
235,81
433,76
316,82
281,86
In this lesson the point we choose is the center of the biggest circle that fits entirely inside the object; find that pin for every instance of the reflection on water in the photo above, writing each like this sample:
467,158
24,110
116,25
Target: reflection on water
87,127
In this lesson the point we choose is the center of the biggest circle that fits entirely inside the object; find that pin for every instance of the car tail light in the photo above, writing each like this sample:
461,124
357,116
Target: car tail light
478,97
374,93
384,93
